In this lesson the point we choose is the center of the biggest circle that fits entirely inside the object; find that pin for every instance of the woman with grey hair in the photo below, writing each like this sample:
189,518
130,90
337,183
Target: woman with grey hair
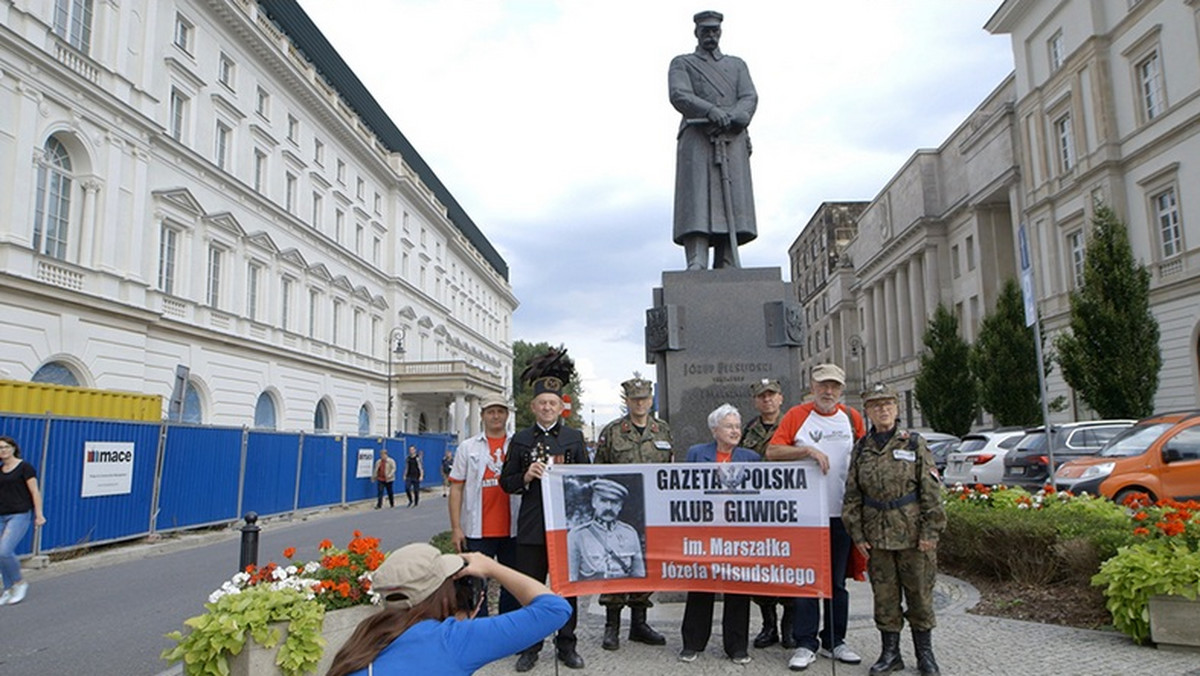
726,425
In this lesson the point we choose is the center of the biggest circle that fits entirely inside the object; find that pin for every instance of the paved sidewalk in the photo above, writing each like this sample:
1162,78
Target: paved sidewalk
965,645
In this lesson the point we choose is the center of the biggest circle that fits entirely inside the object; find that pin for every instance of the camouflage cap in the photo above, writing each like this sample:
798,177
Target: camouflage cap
609,488
637,388
879,391
765,385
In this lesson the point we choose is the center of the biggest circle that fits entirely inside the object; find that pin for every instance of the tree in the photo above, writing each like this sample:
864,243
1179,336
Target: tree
523,394
1004,362
945,389
1110,353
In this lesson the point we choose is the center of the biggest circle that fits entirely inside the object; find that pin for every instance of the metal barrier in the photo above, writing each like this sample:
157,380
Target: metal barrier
105,481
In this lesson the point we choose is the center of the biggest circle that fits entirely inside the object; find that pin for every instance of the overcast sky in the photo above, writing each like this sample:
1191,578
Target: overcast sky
549,122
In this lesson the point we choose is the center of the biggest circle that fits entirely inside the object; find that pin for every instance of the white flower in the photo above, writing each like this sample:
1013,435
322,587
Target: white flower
312,567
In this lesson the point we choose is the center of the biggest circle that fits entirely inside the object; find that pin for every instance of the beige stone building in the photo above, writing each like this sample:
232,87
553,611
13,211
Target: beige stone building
1108,110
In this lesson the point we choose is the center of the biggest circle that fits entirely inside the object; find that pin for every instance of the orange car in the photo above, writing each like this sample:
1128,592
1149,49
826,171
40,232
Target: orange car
1160,455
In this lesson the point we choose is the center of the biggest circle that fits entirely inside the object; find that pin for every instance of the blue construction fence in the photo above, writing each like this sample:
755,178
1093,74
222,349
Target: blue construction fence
104,481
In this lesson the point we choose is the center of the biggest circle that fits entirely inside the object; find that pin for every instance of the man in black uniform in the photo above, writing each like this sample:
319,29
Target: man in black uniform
530,454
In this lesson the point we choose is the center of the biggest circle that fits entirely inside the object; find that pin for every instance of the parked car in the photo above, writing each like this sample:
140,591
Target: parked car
1159,456
1028,464
940,445
979,458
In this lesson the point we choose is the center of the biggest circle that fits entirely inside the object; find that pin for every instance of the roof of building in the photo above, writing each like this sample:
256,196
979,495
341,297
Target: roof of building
293,21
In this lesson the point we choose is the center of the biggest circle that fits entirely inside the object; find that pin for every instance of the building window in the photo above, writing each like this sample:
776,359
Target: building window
359,187
318,152
260,171
285,304
177,114
339,225
168,247
378,203
317,205
954,264
213,295
321,417
374,337
364,421
55,373
221,144
73,23
253,271
290,194
184,31
293,129
1075,248
376,250
1058,52
1065,142
264,412
226,69
53,212
356,328
193,410
1149,77
358,239
970,251
1166,212
262,103
341,172
314,299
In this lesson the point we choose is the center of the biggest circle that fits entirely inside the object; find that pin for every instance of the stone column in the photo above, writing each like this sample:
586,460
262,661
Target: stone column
473,425
867,330
87,228
904,310
920,317
932,283
460,414
879,334
890,316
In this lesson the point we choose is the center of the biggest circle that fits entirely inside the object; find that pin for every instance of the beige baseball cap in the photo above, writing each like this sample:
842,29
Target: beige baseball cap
413,573
494,400
823,372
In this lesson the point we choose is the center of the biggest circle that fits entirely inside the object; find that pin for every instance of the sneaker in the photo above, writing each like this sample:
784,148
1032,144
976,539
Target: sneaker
18,593
841,653
5,597
686,655
740,659
801,659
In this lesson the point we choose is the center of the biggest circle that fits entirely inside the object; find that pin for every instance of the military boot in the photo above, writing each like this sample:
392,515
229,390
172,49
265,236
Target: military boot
768,636
786,638
612,628
923,644
640,631
889,658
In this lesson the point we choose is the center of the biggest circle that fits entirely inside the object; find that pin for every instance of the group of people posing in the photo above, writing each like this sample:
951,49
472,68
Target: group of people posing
884,505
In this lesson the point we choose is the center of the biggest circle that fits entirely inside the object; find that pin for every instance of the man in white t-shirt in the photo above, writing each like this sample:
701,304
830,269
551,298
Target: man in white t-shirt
823,431
483,517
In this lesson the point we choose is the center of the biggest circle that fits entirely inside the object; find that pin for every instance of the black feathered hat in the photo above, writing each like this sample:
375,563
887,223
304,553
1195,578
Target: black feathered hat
549,372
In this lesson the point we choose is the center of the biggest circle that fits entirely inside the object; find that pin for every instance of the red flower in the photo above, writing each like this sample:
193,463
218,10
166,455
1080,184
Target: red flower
289,552
1141,531
325,544
357,534
1170,528
1140,516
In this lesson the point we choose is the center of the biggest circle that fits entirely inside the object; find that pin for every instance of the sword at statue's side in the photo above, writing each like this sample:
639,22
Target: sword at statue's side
721,158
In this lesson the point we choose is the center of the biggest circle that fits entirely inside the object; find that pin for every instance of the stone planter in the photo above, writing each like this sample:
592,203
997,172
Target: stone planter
256,660
1175,622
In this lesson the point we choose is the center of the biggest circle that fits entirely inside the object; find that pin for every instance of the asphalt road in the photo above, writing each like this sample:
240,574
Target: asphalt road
106,613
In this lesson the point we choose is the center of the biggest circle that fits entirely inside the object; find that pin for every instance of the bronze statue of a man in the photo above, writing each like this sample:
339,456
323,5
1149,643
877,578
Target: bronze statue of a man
714,199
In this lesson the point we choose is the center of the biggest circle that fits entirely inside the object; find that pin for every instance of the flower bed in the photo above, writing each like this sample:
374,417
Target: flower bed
254,603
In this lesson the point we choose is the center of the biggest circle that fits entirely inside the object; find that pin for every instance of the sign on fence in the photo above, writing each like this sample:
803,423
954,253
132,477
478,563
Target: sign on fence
107,468
750,528
366,460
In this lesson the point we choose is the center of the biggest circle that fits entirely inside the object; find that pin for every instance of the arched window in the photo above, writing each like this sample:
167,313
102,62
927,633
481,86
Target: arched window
52,215
55,373
264,412
193,409
321,416
364,421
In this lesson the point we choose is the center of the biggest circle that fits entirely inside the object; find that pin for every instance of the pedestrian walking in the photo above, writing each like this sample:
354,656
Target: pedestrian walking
893,512
20,505
385,478
447,465
414,472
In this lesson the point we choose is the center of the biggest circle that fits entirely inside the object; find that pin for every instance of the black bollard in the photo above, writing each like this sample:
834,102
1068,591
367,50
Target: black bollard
249,555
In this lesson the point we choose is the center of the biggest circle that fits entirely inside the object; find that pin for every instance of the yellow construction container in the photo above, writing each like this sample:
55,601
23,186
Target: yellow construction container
77,402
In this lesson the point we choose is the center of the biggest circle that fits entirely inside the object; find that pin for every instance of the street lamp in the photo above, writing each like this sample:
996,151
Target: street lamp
395,347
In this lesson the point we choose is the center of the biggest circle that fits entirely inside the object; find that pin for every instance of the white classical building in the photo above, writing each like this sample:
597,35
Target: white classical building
205,183
1108,111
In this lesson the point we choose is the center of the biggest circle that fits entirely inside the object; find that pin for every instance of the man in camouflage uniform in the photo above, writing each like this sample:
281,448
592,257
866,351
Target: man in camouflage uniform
756,435
605,547
637,437
893,512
